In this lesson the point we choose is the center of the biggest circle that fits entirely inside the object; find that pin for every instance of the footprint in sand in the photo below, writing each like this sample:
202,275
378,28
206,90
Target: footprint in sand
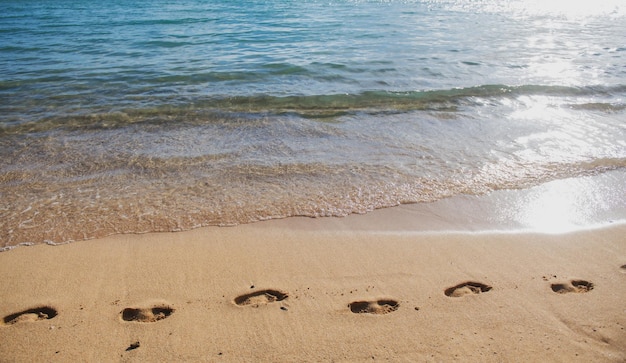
261,297
379,307
622,268
572,286
147,315
35,314
467,288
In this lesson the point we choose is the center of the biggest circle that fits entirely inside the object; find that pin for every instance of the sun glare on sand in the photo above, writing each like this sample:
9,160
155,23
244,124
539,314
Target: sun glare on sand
565,205
552,211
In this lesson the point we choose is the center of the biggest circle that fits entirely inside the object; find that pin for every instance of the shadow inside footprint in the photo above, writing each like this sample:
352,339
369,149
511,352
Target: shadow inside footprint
467,288
147,315
374,307
261,297
35,314
572,286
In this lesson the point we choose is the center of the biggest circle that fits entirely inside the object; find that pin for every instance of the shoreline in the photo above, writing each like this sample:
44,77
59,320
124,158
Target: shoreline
558,206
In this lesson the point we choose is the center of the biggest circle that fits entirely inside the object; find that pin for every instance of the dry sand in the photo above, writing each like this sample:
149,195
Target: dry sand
275,291
361,288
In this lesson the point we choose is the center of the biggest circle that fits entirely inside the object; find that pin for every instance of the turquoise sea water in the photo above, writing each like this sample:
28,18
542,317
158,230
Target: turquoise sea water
167,115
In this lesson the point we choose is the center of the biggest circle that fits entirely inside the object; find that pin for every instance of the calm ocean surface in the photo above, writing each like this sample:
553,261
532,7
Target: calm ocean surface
165,115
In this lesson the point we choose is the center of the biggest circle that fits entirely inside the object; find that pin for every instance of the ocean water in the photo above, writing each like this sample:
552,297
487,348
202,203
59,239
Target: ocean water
165,115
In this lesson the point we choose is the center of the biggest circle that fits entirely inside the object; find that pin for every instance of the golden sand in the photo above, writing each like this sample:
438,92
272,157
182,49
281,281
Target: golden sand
303,290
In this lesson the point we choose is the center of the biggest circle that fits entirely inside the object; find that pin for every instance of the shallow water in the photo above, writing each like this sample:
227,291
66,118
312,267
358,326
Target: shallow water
159,116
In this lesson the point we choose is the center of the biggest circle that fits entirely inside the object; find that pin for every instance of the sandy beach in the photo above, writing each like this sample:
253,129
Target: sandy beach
313,181
362,288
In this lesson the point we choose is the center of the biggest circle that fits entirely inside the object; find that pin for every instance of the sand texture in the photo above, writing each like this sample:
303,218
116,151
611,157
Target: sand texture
302,290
